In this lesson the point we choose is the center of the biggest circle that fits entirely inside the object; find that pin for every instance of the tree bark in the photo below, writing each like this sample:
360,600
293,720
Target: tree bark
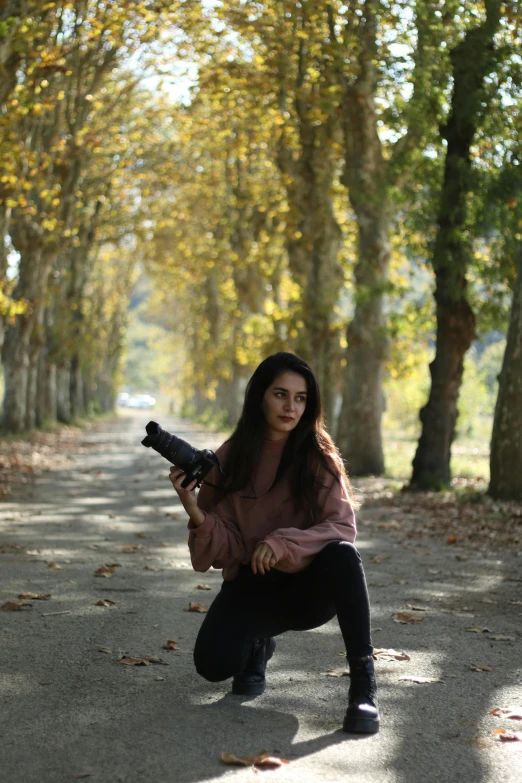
472,60
63,394
365,176
506,440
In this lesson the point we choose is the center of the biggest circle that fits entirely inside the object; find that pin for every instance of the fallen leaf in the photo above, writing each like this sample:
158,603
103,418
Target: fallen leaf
105,570
418,679
261,759
379,558
129,548
14,606
488,601
337,672
508,736
55,566
151,568
140,661
203,587
195,607
106,650
515,713
461,557
382,654
482,667
451,540
140,535
158,678
415,608
478,629
164,544
500,637
407,617
432,571
82,775
401,581
170,644
106,602
36,596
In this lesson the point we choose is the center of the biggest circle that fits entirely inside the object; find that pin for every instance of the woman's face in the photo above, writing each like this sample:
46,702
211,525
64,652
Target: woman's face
284,403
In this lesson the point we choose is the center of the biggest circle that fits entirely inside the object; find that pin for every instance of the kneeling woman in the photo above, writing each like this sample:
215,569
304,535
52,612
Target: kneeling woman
281,526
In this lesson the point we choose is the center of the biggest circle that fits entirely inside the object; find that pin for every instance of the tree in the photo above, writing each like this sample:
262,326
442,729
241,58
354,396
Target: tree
473,60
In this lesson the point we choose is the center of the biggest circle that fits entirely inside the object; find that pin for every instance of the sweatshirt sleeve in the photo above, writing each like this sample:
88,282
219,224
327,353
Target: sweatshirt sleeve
295,548
218,541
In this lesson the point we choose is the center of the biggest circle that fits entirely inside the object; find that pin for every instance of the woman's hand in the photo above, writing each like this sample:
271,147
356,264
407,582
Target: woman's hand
263,559
186,495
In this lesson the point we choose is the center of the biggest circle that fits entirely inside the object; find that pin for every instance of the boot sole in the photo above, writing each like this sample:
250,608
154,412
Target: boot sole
248,688
360,726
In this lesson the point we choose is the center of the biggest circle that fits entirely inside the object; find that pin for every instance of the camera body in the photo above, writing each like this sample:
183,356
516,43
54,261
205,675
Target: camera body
195,463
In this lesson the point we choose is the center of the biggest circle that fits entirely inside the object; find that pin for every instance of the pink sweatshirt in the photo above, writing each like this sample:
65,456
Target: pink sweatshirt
235,525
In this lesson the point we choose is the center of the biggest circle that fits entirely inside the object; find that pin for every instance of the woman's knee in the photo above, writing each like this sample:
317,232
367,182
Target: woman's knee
342,552
216,665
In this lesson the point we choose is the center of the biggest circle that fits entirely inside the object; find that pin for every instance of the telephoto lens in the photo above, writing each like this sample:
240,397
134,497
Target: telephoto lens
196,464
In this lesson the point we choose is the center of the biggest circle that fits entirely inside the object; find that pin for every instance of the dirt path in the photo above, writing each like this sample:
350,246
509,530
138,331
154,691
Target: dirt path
68,710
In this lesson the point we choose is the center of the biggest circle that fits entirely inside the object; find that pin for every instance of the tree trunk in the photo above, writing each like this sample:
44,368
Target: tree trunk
472,59
63,394
506,440
46,403
76,395
365,177
359,435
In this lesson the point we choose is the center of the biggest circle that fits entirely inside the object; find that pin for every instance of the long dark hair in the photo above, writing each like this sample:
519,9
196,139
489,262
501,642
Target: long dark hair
309,445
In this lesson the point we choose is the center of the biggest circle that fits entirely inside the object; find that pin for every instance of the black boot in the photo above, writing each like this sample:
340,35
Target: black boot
362,715
251,681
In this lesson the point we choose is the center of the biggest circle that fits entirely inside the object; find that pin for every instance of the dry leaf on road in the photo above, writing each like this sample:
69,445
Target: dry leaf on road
508,736
500,637
54,565
261,759
14,606
129,548
337,673
515,713
478,629
105,570
195,607
170,644
417,678
451,540
381,654
379,558
415,608
36,596
407,617
203,587
482,667
106,602
128,660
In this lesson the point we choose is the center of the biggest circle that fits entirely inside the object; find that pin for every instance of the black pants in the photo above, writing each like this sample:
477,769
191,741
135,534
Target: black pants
253,606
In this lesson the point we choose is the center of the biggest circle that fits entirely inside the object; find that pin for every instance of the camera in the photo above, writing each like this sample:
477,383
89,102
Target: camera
196,464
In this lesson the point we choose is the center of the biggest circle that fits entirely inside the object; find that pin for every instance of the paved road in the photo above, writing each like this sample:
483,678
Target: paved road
68,710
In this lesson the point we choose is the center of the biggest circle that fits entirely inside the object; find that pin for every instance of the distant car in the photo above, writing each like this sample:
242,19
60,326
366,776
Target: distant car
140,401
123,399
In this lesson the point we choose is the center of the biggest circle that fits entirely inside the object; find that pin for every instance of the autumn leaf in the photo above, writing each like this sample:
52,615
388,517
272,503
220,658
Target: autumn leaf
407,617
477,629
195,607
382,654
415,608
106,602
261,759
379,558
451,540
106,571
170,644
337,672
418,679
508,736
55,566
500,637
203,587
36,596
482,667
515,713
129,548
128,660
14,606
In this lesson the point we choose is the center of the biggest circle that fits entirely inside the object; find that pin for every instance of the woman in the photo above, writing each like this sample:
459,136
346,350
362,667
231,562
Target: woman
280,524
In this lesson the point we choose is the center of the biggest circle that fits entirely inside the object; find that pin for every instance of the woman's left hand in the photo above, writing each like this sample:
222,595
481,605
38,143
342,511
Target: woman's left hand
263,559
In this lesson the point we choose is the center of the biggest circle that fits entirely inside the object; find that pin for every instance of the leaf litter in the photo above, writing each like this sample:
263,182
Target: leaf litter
407,617
194,606
262,759
36,596
14,606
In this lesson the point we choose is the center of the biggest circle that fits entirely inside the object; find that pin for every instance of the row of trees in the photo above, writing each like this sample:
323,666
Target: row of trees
73,136
329,147
333,162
